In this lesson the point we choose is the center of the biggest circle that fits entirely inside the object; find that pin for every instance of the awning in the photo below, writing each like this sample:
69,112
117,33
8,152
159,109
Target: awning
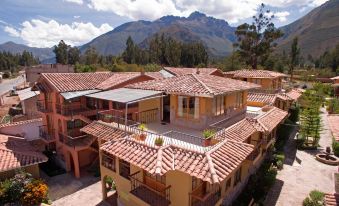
75,94
125,95
27,93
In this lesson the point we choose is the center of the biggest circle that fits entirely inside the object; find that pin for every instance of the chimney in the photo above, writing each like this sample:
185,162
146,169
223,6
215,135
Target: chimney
198,71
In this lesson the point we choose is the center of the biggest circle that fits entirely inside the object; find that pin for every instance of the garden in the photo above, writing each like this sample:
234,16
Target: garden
23,189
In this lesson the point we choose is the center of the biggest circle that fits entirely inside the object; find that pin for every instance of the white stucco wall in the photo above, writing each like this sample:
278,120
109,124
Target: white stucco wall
28,130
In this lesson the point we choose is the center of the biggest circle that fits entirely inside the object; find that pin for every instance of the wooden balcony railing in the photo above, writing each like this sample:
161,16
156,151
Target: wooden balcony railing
46,134
118,116
73,109
44,107
208,199
153,197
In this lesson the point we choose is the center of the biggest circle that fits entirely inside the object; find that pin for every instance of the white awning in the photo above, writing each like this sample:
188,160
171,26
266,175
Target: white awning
125,95
75,94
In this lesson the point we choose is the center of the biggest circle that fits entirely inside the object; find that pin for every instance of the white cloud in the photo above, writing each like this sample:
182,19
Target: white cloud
76,17
39,33
80,2
282,16
231,10
11,31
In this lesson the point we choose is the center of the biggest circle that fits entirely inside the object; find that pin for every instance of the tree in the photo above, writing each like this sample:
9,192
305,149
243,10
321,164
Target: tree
61,52
73,55
294,56
256,41
91,56
129,53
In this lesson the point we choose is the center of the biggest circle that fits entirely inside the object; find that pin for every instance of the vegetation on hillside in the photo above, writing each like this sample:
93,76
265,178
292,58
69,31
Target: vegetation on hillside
11,62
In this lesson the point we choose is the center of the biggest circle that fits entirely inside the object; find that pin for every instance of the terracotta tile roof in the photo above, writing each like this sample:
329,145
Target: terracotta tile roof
331,199
20,122
294,94
261,97
195,84
103,130
178,71
66,82
16,152
239,131
271,118
333,121
212,166
284,97
119,78
247,73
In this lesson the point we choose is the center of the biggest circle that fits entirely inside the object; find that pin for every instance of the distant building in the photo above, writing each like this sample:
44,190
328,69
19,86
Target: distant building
335,85
28,99
33,72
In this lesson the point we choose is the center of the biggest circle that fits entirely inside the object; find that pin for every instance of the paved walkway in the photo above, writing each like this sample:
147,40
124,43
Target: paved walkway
302,173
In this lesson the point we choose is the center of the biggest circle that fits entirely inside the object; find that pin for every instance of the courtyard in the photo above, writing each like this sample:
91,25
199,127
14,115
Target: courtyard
302,173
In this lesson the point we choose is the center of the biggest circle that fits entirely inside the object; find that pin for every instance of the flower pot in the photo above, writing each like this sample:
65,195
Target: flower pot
142,137
158,144
207,142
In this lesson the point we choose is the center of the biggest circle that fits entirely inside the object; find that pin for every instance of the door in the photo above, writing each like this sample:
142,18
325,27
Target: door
166,105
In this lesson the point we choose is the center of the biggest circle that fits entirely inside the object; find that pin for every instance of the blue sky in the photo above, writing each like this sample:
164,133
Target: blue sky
42,23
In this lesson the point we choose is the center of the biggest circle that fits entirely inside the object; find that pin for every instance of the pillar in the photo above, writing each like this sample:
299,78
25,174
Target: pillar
76,164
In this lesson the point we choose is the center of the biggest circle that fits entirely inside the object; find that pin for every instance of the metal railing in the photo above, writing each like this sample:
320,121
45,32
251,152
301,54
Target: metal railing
71,109
227,121
200,141
71,141
117,116
154,197
46,134
208,199
43,106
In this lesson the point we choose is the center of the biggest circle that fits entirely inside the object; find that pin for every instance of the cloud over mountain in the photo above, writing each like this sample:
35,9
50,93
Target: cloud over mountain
38,33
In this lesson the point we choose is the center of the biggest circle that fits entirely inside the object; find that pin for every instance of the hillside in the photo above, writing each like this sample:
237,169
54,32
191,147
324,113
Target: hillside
317,31
41,53
216,34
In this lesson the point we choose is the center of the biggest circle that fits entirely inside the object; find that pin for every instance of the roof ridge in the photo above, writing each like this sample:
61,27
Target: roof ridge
214,175
203,84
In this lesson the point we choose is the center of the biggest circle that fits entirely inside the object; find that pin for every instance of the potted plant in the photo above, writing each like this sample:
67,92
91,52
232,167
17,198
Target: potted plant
143,135
109,182
159,141
207,134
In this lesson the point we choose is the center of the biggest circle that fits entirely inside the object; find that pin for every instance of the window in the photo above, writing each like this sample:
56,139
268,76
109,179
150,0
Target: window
237,177
105,104
195,183
108,162
239,99
257,81
218,106
157,178
228,184
124,168
188,107
90,103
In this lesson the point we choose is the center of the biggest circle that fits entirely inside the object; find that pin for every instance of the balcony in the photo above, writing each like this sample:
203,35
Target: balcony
254,154
44,107
82,140
74,109
46,134
206,199
118,116
151,196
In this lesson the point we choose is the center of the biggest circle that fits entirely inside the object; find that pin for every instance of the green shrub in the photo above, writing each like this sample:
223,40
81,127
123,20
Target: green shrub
280,165
335,147
294,114
316,198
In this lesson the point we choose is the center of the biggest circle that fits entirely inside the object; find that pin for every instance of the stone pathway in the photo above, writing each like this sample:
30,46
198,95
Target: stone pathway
302,173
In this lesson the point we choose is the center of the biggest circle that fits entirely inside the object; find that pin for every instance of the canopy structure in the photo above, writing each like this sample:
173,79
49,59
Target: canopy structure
125,95
75,94
27,93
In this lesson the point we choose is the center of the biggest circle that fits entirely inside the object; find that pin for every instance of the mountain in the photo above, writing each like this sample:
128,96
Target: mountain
42,53
217,35
317,31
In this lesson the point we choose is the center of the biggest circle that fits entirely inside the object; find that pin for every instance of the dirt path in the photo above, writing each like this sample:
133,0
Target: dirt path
302,173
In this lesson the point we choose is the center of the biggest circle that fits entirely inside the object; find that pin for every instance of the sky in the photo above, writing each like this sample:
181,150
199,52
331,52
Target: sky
43,23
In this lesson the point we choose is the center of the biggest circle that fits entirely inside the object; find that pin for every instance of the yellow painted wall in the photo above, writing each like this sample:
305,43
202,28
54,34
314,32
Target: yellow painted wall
181,186
33,169
149,104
